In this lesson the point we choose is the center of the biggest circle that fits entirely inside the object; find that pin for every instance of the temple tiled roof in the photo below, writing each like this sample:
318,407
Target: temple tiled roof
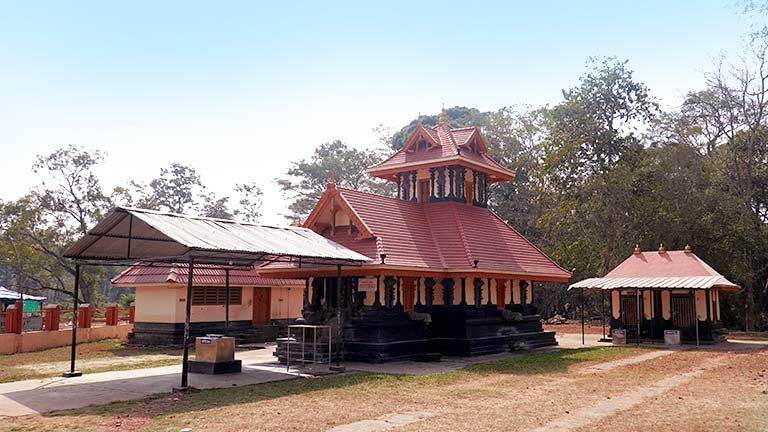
449,145
161,274
441,236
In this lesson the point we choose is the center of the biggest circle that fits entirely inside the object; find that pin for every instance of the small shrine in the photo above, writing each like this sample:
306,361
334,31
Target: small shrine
448,275
664,290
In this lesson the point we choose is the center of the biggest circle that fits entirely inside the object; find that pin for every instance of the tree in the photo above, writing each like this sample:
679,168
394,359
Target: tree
306,179
250,202
178,189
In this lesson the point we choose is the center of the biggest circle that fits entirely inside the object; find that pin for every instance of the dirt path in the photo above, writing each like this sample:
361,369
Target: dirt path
624,401
602,367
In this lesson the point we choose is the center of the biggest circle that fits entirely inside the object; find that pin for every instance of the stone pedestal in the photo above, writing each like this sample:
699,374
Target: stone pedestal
214,355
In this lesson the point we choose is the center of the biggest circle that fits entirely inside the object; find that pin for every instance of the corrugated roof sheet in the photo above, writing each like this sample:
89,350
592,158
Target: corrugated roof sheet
147,274
668,270
168,235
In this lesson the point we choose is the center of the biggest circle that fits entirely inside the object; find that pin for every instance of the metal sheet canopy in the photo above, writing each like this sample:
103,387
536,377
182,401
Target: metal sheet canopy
678,282
130,234
127,235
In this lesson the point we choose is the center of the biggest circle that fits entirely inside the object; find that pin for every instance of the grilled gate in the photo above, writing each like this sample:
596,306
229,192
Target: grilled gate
682,311
629,310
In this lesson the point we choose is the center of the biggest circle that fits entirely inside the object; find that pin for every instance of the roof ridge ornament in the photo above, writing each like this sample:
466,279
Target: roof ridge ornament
688,248
662,249
637,249
331,185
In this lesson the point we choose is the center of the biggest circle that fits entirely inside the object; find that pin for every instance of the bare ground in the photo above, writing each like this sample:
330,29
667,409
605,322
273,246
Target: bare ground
720,390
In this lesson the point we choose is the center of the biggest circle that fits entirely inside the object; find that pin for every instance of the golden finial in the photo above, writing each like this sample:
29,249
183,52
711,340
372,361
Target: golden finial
688,248
443,116
637,249
662,249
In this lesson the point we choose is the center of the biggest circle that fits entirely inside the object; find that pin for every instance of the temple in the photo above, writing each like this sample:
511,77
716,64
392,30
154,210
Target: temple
448,275
664,290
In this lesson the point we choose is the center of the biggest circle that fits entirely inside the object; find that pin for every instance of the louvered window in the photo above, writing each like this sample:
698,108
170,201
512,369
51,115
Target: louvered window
210,296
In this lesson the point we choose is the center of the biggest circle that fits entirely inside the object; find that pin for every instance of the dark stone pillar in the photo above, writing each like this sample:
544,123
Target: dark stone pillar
418,291
463,291
490,302
398,292
448,284
478,283
429,291
318,288
389,291
523,293
377,297
305,294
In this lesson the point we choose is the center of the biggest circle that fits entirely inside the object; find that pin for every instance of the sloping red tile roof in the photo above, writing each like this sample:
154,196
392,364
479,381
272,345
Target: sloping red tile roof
451,145
671,269
161,274
441,236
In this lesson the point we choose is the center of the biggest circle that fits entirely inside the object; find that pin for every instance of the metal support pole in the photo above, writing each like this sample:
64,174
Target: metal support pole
696,316
188,313
637,297
339,317
602,311
582,317
226,302
72,372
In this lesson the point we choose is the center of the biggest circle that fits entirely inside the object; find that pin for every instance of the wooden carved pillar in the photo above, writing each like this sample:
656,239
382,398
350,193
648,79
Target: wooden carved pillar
429,291
448,284
475,194
399,186
441,182
432,184
501,288
389,291
413,185
463,291
377,297
451,182
478,283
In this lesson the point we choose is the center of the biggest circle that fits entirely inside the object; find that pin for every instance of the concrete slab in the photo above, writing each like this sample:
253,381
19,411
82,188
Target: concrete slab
51,394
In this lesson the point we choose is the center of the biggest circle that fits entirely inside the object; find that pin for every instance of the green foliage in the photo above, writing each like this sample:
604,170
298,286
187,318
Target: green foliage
457,116
306,179
127,299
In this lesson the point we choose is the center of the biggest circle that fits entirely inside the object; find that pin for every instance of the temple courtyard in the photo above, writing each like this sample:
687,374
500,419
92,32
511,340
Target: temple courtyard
597,387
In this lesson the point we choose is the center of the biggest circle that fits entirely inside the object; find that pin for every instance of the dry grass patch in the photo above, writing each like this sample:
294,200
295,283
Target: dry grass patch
463,399
730,396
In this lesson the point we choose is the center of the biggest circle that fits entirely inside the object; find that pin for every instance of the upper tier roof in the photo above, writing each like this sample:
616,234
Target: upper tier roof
447,146
441,236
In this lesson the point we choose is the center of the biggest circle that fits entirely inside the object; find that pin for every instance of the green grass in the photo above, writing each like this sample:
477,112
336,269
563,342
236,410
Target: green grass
22,366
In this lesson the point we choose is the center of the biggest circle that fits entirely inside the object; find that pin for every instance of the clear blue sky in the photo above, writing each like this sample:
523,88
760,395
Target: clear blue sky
239,89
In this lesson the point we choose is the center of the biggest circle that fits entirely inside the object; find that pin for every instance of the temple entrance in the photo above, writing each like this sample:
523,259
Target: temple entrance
409,293
683,313
261,306
629,310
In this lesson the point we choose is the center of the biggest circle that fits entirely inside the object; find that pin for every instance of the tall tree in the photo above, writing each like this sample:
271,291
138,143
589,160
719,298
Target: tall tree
249,203
306,179
178,189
